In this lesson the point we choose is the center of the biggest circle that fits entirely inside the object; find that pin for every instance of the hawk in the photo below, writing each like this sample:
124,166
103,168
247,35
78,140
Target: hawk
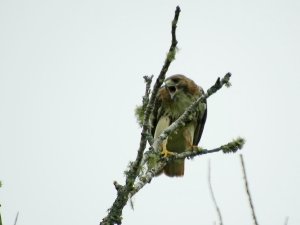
178,93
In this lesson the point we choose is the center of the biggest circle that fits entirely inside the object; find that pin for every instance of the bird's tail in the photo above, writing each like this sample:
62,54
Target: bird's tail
175,168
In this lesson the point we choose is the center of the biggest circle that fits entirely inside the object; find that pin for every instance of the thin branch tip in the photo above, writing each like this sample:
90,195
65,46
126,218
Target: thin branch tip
226,80
213,195
248,190
148,78
228,75
117,185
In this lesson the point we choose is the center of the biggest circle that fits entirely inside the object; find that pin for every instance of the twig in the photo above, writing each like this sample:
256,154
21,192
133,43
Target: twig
115,212
0,205
286,221
148,81
213,196
16,219
248,191
0,218
232,147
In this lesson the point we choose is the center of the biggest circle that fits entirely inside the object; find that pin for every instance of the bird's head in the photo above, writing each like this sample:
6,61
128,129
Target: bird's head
176,85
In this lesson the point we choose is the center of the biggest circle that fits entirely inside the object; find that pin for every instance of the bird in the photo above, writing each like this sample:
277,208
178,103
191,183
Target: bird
178,93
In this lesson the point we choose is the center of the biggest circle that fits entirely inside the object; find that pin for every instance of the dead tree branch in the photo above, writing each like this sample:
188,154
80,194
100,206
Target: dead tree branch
0,206
213,195
16,219
286,221
232,147
248,191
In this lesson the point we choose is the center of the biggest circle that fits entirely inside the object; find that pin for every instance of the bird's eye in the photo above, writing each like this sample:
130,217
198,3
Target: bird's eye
175,80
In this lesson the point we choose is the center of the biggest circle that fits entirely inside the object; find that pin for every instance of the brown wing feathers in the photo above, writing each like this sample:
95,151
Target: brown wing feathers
171,102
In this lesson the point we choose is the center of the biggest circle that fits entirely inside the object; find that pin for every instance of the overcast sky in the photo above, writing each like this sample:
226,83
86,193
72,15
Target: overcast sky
71,76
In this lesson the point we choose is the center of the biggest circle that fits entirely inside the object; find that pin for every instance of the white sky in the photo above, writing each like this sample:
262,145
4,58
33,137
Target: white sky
71,75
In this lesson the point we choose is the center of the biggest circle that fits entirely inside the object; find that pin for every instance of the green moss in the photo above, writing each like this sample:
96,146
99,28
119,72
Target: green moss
152,160
171,55
139,114
233,146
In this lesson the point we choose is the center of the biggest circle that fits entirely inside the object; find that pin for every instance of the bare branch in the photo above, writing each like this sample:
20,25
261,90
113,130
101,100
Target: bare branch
234,145
148,81
0,205
16,219
213,196
248,191
286,221
0,218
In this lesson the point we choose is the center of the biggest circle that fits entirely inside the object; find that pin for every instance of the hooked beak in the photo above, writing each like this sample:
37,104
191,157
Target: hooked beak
171,88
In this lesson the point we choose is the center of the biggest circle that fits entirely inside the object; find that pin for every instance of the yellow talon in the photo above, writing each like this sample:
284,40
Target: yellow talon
165,153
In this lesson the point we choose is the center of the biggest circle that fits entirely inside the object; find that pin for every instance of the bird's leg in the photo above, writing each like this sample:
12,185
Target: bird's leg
193,148
165,152
189,135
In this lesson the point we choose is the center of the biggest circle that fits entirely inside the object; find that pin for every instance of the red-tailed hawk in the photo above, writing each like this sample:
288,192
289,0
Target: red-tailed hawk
178,93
